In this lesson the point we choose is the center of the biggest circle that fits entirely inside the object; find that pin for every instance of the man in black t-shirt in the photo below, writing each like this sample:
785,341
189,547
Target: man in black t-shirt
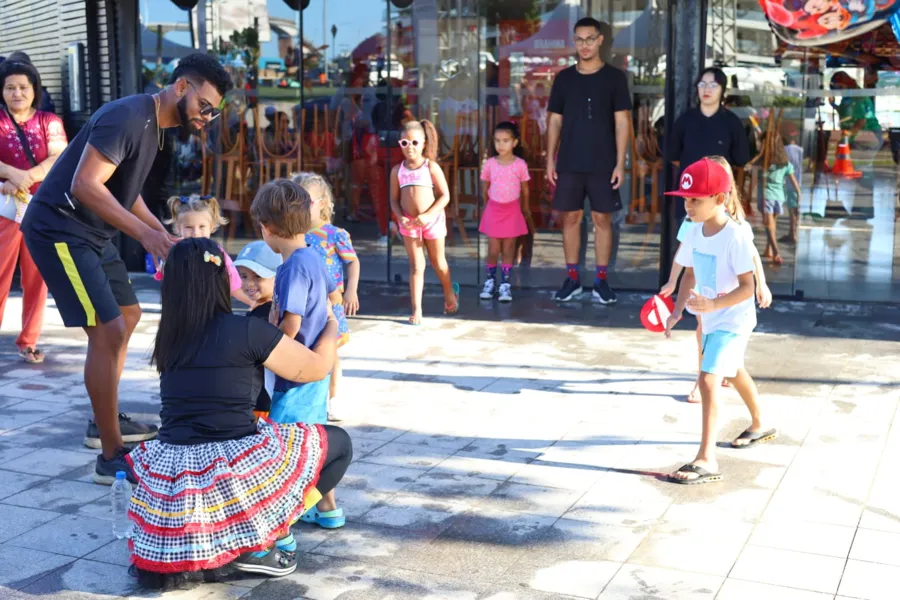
589,119
92,193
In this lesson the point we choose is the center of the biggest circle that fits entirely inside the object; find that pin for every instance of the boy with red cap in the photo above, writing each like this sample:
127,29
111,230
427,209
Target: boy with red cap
718,263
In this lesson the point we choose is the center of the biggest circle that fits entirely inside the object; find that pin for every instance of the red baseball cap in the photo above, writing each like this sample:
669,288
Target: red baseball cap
701,179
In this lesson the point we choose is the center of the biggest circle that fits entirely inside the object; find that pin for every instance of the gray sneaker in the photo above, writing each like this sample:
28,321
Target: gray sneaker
105,470
132,432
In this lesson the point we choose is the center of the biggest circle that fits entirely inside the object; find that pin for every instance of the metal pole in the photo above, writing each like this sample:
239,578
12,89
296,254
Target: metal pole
299,113
387,162
324,37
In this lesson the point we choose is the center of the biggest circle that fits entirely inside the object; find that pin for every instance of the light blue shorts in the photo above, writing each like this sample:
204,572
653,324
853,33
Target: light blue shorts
723,353
791,199
307,403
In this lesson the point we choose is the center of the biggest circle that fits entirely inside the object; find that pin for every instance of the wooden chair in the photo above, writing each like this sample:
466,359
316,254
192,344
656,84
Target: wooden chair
229,180
646,162
466,169
278,155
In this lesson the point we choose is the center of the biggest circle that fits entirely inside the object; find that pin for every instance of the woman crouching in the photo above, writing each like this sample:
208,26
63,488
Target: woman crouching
217,488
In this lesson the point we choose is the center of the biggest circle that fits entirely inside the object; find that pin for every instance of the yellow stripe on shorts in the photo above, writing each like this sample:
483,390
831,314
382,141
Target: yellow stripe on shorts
62,249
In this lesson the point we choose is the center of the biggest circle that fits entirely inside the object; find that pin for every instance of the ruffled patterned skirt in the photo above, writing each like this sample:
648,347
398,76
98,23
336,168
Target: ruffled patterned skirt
200,507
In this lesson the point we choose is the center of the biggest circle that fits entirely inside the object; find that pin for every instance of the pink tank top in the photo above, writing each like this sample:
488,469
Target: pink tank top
419,177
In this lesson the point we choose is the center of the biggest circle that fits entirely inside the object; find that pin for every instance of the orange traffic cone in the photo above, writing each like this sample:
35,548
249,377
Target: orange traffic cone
843,165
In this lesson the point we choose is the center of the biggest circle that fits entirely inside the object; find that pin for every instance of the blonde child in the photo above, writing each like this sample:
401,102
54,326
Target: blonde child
506,204
419,195
771,204
200,217
763,294
334,246
717,258
300,309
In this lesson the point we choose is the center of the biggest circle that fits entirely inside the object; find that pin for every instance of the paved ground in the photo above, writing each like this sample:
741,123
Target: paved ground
500,455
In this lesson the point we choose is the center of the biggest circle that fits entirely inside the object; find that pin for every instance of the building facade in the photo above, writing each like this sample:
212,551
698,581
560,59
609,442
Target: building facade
340,76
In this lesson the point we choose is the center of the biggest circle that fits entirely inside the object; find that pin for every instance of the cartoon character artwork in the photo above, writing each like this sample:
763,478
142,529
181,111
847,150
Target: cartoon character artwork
821,22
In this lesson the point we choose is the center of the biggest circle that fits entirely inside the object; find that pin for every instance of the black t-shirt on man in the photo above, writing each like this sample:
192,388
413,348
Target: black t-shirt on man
588,104
125,132
212,398
696,136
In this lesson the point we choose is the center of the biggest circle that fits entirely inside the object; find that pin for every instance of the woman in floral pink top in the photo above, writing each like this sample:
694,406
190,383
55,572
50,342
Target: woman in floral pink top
506,202
30,142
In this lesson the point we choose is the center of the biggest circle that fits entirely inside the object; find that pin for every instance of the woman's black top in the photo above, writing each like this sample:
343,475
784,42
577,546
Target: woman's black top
212,398
697,136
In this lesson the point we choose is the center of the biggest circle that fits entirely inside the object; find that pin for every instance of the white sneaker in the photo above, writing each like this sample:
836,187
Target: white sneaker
334,413
382,241
487,292
505,293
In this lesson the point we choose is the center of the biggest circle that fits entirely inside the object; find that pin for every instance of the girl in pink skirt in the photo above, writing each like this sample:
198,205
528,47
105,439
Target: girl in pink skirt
506,201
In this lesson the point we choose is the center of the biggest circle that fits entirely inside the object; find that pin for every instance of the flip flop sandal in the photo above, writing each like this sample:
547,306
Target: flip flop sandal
754,437
415,320
447,309
333,519
703,476
726,383
694,397
32,356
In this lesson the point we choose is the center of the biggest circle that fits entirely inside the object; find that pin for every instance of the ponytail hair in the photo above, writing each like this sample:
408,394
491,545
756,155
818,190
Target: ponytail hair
733,197
431,137
180,205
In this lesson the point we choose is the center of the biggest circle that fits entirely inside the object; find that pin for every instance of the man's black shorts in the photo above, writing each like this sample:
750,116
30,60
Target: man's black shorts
88,284
571,188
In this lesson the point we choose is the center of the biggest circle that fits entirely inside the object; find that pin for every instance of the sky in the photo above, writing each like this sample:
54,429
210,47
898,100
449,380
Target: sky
355,19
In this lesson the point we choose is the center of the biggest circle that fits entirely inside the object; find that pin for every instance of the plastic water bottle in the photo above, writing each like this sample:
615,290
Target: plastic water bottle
121,498
149,264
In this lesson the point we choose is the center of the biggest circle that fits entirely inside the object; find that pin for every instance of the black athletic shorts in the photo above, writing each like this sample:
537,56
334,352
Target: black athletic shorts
571,188
88,284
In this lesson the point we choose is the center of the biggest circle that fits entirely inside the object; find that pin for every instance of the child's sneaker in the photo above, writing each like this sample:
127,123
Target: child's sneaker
487,292
273,562
333,519
505,293
334,410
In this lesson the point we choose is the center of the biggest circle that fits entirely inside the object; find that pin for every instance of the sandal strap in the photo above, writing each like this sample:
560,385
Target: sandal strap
692,468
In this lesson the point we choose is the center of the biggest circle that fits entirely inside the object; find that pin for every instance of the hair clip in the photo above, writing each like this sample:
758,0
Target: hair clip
212,258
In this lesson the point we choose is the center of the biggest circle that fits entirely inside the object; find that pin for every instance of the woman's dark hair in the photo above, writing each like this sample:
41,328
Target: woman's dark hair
204,67
720,77
11,67
513,130
195,289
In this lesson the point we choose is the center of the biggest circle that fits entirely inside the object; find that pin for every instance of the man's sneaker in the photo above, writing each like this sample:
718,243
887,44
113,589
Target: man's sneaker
487,292
505,293
105,470
274,562
132,432
603,293
570,290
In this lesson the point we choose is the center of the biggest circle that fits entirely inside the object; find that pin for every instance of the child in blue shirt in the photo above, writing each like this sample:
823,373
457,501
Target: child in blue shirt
300,308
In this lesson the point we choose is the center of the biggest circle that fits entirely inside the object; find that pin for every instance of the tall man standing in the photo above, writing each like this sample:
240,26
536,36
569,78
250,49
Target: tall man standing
589,121
92,193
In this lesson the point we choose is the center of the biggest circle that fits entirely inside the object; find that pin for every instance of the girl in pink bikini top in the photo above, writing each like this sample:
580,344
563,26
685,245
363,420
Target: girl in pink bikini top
415,177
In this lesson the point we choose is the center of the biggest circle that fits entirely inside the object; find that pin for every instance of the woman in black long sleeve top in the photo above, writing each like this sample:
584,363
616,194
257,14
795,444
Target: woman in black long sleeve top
709,129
